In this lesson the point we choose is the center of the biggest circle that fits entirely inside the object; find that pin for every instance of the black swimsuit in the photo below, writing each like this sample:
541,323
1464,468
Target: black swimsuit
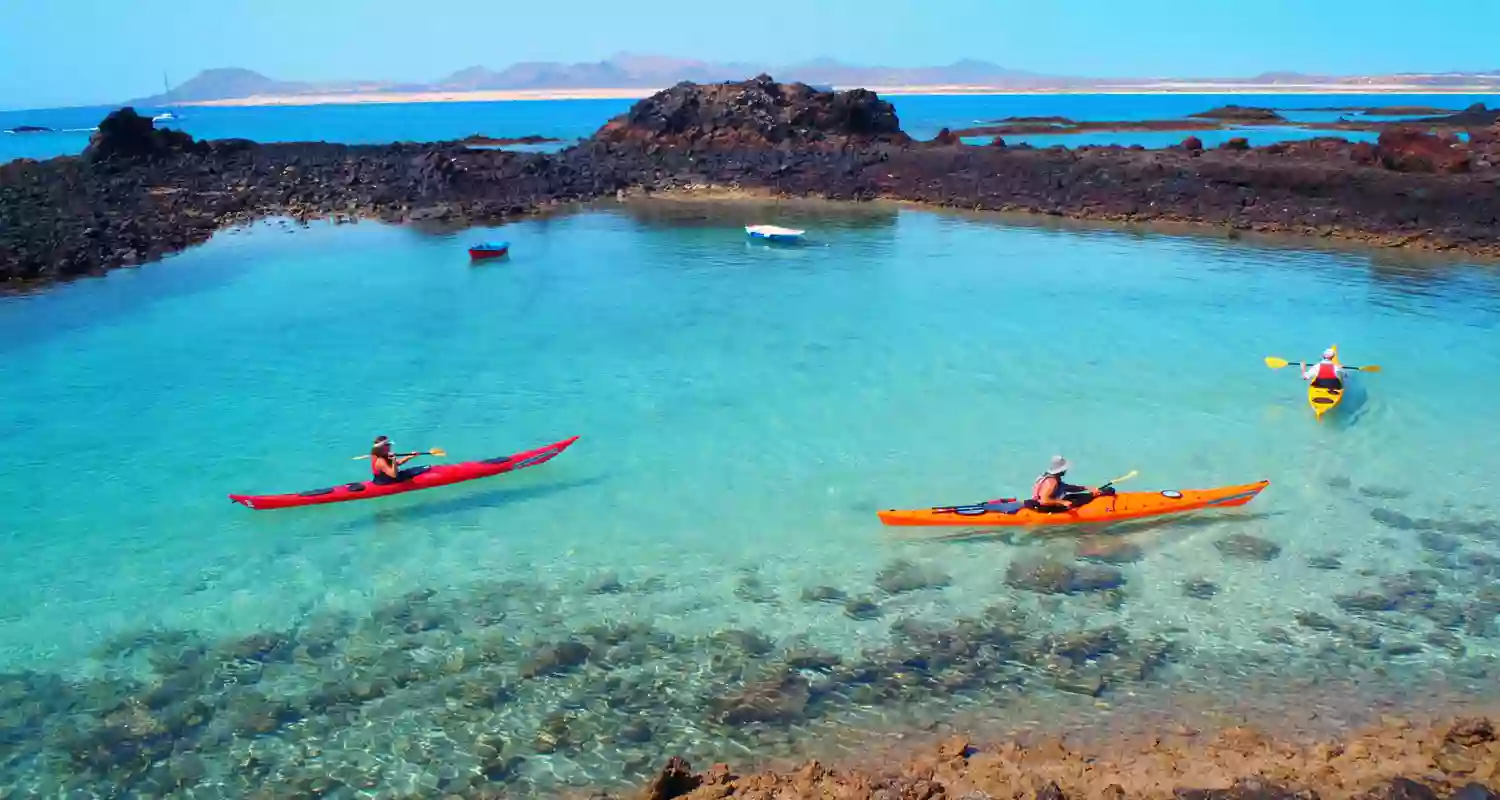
1060,491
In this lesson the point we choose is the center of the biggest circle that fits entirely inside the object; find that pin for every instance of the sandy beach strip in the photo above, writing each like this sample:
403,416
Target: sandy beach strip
1165,87
428,97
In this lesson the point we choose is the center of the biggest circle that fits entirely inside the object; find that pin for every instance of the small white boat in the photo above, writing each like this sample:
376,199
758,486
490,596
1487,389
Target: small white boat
774,233
165,116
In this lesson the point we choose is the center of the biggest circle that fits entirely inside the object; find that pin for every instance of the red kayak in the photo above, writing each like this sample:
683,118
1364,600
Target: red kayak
418,478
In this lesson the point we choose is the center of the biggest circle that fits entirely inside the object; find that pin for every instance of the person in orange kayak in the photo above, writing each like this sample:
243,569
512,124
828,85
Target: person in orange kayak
1050,493
386,466
1326,374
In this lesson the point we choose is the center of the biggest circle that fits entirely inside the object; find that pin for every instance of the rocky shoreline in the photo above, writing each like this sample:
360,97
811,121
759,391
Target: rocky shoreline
1398,760
138,194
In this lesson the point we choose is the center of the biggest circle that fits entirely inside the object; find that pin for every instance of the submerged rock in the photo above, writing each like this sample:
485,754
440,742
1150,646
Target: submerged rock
823,594
1108,550
862,608
605,583
1050,576
779,699
1316,621
1438,542
1327,561
556,658
750,643
1249,548
1396,519
1200,588
1365,602
905,576
752,589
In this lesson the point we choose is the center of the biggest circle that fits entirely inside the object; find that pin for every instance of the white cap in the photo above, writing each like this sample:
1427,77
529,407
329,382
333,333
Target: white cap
1058,466
1329,353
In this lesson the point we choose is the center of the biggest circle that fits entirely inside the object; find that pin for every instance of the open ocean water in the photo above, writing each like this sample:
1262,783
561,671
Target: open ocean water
703,572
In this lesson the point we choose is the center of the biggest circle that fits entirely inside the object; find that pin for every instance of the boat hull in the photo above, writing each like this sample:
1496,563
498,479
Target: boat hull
772,233
1118,507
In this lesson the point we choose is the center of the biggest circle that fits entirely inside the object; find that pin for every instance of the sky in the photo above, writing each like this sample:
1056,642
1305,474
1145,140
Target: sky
86,52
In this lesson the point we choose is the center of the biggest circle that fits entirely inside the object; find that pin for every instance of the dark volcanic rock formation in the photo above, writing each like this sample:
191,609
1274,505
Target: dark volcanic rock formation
138,193
480,139
126,134
1241,114
755,113
1091,126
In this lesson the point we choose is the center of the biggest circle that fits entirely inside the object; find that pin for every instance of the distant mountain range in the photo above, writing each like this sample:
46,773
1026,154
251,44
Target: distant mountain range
632,71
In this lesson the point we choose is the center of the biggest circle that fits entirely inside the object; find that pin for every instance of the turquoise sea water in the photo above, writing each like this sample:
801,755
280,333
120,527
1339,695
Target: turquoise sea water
744,411
921,115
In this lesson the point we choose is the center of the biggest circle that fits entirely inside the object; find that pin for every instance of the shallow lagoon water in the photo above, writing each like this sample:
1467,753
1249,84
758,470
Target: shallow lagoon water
744,410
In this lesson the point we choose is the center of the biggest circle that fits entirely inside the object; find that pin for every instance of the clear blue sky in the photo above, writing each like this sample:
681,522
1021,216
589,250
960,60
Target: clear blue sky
75,52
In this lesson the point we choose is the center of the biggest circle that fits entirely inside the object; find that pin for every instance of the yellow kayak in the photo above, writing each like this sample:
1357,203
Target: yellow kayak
1324,400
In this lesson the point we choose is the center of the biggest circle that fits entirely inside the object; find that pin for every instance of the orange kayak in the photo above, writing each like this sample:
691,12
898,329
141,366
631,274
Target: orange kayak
1109,508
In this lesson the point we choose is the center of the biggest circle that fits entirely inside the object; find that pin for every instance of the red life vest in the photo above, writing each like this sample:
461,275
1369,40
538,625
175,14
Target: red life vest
1327,371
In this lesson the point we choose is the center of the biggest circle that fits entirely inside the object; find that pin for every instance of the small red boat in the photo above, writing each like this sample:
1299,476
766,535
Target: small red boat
488,250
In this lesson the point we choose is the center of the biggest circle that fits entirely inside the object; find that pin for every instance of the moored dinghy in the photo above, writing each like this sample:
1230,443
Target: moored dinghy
488,250
774,233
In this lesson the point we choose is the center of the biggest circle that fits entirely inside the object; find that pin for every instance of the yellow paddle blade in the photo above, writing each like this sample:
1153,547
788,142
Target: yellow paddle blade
1276,363
1371,368
1127,476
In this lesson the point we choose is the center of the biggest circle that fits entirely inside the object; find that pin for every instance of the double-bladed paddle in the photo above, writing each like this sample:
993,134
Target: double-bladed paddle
979,508
1277,363
436,451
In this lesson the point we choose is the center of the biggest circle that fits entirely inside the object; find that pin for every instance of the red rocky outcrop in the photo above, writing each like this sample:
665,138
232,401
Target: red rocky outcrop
1412,150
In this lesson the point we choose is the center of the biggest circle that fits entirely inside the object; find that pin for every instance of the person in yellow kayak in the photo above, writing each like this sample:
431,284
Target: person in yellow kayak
384,465
1051,494
1326,374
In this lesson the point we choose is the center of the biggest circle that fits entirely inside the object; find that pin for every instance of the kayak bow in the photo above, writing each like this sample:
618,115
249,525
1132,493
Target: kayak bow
416,479
1117,507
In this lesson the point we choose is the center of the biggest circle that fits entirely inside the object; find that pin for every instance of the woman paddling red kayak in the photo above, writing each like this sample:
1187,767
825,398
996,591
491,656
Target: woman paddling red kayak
405,480
386,466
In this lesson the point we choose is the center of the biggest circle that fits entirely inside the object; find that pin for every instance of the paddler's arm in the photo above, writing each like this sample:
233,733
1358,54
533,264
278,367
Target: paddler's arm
1056,502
